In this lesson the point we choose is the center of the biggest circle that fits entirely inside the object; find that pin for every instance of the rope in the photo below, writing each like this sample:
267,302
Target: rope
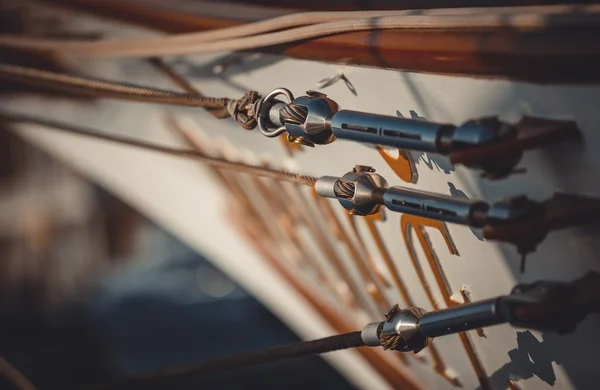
249,37
191,154
237,109
274,24
289,351
110,89
105,88
248,29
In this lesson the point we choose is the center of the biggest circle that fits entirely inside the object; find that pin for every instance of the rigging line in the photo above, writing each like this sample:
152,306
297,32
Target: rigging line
184,84
289,351
277,23
238,109
244,30
105,88
263,26
276,174
543,19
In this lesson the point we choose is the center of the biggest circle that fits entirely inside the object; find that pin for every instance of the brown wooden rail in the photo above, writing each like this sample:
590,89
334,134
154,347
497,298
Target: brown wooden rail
354,5
551,56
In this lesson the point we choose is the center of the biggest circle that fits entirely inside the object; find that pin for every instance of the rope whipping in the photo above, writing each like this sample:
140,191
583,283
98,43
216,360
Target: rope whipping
185,153
240,110
283,352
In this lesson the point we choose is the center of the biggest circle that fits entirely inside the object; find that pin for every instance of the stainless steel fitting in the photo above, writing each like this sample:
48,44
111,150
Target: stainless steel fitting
357,191
316,129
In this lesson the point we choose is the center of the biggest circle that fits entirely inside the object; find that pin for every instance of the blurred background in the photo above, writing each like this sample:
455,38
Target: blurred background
91,290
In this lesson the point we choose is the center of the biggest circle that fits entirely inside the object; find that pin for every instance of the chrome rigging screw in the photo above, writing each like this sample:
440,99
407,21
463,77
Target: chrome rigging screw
517,220
316,119
364,192
545,306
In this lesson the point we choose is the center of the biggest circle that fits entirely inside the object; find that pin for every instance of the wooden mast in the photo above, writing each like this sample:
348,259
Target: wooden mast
553,55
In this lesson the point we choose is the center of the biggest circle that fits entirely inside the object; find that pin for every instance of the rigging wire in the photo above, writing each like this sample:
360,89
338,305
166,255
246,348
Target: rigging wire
105,88
217,162
528,18
239,109
289,351
184,84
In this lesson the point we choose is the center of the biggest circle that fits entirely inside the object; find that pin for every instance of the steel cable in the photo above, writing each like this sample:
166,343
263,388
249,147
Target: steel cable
93,87
185,153
180,81
104,88
289,351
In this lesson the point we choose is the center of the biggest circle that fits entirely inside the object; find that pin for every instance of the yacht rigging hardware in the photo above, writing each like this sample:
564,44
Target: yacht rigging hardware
518,220
292,114
486,143
543,305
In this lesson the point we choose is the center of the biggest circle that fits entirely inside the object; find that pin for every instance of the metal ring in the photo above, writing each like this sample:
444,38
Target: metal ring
261,126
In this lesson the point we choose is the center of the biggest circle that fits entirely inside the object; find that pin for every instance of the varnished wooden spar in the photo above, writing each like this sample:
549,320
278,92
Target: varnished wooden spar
555,55
356,5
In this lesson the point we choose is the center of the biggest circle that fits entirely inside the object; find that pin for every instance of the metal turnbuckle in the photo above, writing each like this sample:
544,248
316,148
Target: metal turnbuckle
487,143
545,306
517,220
